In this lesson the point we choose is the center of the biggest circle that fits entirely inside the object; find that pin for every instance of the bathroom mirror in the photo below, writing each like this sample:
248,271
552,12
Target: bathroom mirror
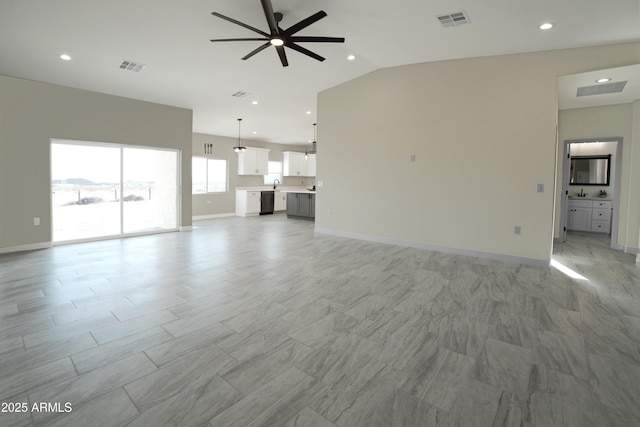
590,170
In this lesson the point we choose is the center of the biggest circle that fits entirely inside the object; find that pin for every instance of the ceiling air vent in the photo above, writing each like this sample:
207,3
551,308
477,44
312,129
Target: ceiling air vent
453,19
240,94
131,66
612,87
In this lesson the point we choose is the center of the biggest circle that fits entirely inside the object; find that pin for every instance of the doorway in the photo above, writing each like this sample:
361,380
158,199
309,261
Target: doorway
572,190
102,190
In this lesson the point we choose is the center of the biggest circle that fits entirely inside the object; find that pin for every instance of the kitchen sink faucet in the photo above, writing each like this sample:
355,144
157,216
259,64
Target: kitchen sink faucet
275,184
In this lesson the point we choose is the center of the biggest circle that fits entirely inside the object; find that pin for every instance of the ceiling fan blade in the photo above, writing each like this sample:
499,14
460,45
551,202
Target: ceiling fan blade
271,18
296,39
259,49
283,56
305,51
305,22
242,24
236,40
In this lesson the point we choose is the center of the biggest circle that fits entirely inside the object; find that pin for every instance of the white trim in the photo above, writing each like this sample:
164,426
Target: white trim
213,216
31,247
419,245
630,250
185,228
114,237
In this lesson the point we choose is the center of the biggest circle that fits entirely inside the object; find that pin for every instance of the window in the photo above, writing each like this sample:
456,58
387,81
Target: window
275,172
208,175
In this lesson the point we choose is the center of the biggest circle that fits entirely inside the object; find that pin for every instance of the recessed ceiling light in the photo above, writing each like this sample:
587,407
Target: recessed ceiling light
65,57
546,26
255,102
603,80
351,57
308,112
255,132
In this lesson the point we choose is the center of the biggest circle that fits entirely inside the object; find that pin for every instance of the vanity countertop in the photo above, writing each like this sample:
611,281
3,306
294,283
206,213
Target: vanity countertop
590,198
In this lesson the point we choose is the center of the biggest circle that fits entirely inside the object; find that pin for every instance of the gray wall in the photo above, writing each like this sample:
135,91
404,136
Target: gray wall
33,113
483,132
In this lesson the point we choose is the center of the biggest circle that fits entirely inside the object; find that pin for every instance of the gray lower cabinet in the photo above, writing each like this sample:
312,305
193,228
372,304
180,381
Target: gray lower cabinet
301,205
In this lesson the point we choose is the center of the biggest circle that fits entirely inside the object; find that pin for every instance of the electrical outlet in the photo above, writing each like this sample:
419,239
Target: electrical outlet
329,212
36,220
540,188
412,158
516,230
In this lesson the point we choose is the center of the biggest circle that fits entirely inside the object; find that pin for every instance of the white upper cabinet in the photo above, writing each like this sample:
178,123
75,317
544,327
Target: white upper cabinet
253,161
294,164
311,165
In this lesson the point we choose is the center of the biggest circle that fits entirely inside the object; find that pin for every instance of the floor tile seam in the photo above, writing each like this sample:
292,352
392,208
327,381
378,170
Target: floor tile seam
38,388
299,365
635,413
625,363
144,313
47,361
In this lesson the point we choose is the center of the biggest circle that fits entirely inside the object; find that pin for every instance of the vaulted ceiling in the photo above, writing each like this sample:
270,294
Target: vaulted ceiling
183,68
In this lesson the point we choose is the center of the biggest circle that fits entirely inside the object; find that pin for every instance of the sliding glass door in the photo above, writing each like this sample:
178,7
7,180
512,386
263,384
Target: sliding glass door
109,190
149,189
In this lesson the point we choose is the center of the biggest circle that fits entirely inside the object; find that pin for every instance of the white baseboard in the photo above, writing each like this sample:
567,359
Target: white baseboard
22,248
630,250
186,228
201,217
456,251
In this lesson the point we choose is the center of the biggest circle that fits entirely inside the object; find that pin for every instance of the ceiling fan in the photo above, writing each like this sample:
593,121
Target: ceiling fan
281,38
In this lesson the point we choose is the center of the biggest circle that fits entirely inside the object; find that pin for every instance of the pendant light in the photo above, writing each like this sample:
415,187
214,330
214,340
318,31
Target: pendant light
239,147
313,146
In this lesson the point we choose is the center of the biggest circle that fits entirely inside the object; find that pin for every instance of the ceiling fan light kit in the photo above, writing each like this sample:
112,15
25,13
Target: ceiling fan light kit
280,38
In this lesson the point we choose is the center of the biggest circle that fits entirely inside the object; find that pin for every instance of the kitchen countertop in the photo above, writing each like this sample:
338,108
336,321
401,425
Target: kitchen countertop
299,190
280,188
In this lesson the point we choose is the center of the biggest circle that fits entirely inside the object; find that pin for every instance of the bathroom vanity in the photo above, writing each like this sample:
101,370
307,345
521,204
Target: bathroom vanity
589,214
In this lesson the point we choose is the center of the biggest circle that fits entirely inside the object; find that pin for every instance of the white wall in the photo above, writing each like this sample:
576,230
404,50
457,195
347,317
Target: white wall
484,135
33,113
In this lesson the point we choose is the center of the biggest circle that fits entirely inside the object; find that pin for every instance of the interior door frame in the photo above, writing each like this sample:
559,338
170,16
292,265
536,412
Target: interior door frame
617,179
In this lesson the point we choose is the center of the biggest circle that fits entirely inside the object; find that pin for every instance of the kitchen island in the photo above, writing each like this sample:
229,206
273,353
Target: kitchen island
301,204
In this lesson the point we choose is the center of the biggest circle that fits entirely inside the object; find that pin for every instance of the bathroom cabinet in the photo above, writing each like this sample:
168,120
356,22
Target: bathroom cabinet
589,215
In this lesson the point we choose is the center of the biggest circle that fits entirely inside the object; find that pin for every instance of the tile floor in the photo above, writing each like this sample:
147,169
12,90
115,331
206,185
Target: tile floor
259,322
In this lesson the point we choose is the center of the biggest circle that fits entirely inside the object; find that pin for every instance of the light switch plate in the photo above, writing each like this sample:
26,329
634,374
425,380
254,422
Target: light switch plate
540,188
